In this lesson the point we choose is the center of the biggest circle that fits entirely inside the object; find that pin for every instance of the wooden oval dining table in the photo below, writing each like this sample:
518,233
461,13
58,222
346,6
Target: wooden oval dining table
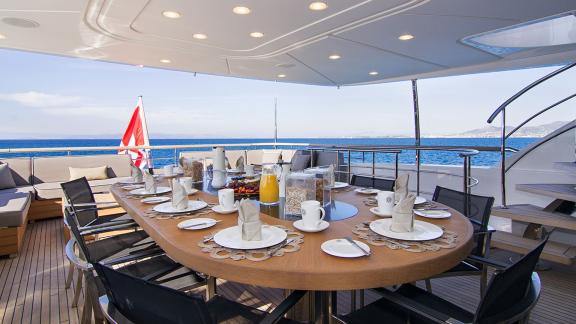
309,268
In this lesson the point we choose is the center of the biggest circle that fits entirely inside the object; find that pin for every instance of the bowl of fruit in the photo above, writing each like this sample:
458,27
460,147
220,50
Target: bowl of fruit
244,187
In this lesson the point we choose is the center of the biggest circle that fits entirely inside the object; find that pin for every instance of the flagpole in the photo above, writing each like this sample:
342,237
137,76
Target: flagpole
146,138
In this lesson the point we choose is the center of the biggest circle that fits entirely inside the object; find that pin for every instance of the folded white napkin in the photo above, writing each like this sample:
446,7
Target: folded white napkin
149,183
401,187
136,173
240,164
179,195
403,216
249,221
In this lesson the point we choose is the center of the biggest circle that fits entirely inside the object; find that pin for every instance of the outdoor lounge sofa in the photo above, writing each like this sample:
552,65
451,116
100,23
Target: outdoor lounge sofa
37,193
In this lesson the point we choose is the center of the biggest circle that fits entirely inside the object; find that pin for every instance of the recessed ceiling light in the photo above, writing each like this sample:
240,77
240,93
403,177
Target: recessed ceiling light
166,61
241,10
406,37
281,75
334,56
373,73
256,35
171,14
2,36
140,65
200,36
318,5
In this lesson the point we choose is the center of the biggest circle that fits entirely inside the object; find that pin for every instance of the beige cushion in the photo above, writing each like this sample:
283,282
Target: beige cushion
55,169
53,190
97,173
14,208
21,189
21,170
6,180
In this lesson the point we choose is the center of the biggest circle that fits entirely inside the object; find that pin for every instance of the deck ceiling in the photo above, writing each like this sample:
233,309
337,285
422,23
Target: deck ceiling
296,43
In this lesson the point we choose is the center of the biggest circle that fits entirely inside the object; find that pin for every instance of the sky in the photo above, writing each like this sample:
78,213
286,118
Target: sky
43,96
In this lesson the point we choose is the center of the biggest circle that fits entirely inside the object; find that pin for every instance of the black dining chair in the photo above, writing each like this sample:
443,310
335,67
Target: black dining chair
477,209
132,300
134,253
513,292
372,182
79,193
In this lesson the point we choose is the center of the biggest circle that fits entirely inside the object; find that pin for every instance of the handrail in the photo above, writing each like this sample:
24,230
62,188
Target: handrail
526,89
504,136
538,114
141,147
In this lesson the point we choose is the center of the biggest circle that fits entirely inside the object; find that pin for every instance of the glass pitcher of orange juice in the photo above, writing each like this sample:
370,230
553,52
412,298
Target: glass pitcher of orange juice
269,192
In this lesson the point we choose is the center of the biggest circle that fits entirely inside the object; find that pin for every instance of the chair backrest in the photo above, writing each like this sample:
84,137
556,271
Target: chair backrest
75,232
78,191
477,208
513,292
372,182
144,302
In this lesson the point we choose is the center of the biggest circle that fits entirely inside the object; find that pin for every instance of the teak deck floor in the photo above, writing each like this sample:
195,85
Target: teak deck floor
32,286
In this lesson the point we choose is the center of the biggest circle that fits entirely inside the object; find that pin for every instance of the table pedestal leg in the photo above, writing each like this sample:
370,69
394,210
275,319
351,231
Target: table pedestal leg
210,287
323,307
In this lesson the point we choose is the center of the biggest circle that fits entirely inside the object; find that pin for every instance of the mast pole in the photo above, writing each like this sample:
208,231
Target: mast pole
146,138
416,131
275,122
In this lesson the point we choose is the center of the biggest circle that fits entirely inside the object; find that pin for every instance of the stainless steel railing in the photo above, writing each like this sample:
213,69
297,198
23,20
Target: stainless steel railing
465,153
501,110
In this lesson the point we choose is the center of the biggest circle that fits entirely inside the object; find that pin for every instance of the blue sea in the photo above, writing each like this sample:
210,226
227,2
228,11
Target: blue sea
163,157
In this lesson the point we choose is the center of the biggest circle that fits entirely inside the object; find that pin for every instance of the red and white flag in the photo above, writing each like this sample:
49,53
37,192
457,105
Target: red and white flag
137,135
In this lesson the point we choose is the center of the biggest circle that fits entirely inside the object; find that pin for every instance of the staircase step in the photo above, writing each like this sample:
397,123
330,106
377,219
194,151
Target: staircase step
534,214
566,166
556,190
553,251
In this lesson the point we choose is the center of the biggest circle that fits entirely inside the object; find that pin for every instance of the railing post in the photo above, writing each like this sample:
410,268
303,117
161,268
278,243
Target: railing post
175,156
466,181
503,158
349,167
373,163
416,131
396,166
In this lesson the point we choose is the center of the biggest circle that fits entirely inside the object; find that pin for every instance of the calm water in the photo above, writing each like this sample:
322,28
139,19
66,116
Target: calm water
162,157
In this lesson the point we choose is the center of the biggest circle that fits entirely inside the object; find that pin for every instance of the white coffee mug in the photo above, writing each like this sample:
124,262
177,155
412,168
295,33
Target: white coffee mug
249,169
312,213
385,202
226,198
168,170
187,183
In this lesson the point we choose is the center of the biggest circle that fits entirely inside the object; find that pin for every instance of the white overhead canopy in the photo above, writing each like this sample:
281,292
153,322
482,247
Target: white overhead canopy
296,41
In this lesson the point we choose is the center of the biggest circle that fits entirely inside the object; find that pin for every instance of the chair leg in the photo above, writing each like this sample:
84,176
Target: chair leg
71,269
352,300
77,289
428,285
92,291
483,281
87,309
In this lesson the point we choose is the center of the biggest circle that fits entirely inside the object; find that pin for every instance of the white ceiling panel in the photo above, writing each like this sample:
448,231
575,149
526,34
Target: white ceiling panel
296,42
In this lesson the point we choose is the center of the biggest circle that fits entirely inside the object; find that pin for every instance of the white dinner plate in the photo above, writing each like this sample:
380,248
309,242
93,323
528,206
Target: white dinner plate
143,192
419,200
129,182
376,211
220,210
132,186
232,238
155,200
433,213
233,171
367,191
189,224
344,249
191,192
423,231
339,185
167,208
299,225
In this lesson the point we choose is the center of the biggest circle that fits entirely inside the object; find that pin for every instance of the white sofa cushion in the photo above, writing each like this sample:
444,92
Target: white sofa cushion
53,190
6,179
96,173
14,208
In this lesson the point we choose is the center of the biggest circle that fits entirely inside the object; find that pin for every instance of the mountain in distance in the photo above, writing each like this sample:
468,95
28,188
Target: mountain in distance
494,131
